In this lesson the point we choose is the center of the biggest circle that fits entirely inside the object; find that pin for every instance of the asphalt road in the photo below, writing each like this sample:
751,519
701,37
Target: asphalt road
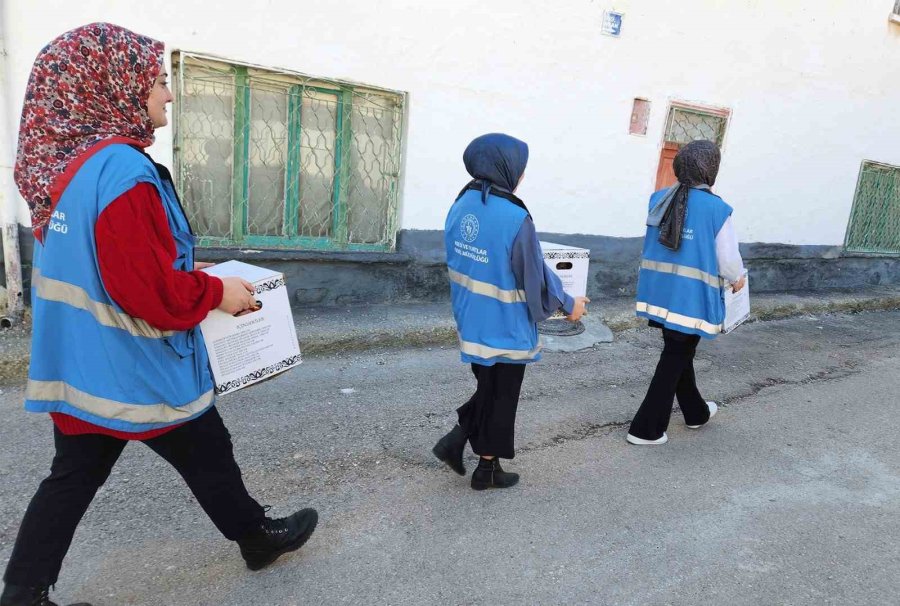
790,496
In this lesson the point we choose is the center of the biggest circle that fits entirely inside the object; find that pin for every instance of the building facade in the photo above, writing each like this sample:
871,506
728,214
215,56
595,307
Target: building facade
329,136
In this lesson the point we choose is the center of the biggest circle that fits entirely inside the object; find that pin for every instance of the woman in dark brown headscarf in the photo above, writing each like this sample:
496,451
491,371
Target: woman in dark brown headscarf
689,250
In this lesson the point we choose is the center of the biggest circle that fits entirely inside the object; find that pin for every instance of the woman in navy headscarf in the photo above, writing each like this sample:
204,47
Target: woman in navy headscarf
500,289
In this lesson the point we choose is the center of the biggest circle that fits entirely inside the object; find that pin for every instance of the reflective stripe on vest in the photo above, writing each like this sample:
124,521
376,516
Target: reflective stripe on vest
59,391
683,271
487,289
483,351
678,319
58,291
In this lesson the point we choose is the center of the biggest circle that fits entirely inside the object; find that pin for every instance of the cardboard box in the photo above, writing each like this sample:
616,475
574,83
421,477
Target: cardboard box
253,347
571,265
737,306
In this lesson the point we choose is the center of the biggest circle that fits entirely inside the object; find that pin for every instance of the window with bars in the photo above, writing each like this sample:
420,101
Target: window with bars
874,226
272,159
687,124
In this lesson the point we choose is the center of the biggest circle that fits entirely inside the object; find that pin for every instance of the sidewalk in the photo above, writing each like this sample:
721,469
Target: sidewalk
323,331
328,330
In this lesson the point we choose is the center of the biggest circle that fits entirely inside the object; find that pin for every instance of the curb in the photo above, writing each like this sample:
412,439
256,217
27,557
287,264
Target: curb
15,358
438,335
773,310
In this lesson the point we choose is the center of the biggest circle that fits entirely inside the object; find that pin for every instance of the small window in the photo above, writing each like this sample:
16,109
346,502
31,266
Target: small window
273,159
640,116
688,124
874,226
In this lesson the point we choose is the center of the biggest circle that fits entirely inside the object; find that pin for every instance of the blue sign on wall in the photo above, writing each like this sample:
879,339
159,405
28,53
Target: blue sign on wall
612,23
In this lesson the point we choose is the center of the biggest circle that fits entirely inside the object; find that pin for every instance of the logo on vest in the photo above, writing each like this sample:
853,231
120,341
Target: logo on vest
469,228
58,223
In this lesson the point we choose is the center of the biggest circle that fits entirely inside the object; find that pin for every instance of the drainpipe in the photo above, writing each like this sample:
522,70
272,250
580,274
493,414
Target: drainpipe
9,196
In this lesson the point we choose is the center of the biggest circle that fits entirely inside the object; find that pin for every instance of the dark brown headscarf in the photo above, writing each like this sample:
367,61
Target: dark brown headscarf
696,165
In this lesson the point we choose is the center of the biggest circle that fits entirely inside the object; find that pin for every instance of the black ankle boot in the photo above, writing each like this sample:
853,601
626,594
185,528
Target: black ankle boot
489,474
274,538
19,595
449,449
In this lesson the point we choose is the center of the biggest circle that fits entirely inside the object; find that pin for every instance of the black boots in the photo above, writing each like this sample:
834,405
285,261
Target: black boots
489,474
449,449
19,595
274,538
260,547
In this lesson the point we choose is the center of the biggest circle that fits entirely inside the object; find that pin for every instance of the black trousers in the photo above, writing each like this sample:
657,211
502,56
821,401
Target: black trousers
674,377
489,417
199,450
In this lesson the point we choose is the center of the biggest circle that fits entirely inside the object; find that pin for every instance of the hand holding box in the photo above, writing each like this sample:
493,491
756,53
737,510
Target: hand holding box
255,344
571,265
737,306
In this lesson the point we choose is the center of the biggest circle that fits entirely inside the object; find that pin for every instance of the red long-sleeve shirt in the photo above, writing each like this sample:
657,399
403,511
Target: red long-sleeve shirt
136,251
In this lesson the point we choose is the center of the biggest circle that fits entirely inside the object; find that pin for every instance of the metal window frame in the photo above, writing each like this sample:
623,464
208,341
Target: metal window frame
859,251
290,238
699,109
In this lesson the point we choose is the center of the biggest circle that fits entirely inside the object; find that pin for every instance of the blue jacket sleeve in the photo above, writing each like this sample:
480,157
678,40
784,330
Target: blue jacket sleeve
544,292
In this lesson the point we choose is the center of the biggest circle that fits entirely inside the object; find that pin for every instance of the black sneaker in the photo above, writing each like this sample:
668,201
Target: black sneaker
19,595
449,449
489,474
274,538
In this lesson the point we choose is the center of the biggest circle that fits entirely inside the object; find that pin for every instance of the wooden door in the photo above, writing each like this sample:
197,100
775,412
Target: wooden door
665,174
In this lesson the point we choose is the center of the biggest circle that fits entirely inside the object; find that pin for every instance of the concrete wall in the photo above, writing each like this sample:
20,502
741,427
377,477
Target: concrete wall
418,272
813,87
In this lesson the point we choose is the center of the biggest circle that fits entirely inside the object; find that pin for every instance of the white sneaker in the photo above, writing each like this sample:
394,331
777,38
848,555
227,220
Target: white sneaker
713,409
641,442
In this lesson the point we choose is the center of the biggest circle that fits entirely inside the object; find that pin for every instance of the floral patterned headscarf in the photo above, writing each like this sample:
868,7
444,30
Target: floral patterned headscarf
88,86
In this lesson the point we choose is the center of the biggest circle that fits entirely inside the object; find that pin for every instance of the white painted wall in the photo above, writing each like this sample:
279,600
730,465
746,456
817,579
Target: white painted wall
814,86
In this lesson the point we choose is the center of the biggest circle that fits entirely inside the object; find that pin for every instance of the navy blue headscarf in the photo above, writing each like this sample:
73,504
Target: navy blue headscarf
496,160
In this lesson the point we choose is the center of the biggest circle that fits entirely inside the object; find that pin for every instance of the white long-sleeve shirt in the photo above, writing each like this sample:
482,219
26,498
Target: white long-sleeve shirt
728,255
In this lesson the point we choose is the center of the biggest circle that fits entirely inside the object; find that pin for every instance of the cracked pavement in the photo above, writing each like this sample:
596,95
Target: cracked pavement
790,496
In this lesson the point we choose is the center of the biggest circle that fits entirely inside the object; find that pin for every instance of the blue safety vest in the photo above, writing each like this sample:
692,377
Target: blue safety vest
682,289
89,358
491,314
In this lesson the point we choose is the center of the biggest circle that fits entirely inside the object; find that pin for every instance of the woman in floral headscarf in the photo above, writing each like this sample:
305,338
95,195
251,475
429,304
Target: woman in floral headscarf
116,355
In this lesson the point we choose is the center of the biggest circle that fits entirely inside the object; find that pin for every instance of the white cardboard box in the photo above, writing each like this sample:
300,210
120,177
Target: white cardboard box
250,348
571,265
737,306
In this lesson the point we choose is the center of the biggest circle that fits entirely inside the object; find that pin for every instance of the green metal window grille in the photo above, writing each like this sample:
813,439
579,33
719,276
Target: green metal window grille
270,159
874,226
685,125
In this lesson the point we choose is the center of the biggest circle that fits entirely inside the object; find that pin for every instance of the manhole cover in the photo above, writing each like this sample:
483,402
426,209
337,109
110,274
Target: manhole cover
560,328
